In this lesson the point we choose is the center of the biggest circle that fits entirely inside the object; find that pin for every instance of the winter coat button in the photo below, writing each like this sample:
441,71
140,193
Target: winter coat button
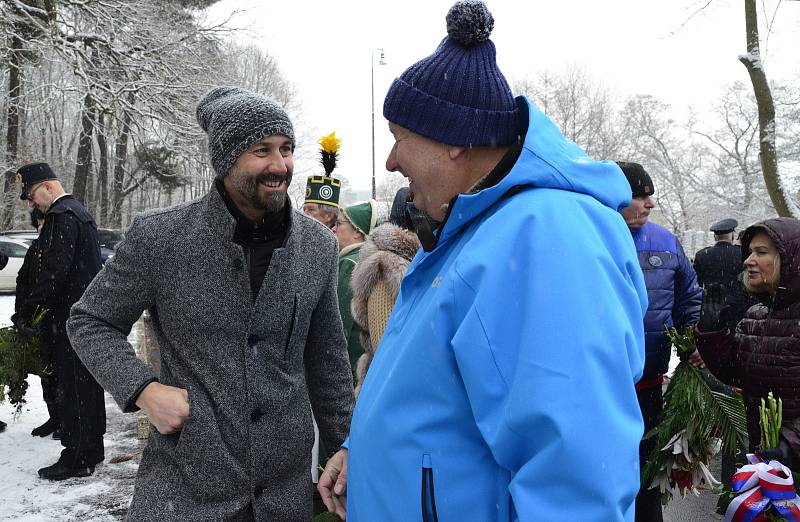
258,490
256,414
238,264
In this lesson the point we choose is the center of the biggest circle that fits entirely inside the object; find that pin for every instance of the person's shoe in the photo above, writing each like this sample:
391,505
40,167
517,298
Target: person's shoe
59,471
97,460
45,429
2,426
57,434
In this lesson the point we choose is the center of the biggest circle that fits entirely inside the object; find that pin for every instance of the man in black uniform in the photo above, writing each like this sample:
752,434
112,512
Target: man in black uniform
26,279
719,273
70,260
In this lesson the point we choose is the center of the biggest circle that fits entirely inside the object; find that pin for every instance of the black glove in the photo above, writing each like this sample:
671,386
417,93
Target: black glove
783,453
729,317
24,330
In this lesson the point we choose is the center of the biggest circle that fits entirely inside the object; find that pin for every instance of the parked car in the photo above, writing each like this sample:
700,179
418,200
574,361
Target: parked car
108,238
15,249
24,235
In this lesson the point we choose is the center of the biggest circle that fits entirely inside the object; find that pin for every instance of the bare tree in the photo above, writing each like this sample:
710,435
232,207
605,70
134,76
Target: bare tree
583,108
138,70
781,199
20,36
653,139
733,143
387,188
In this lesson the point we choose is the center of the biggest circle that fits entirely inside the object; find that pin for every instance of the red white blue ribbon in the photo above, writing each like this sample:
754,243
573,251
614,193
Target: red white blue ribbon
763,484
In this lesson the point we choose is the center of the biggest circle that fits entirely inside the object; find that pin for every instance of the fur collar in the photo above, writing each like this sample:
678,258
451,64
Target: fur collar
384,257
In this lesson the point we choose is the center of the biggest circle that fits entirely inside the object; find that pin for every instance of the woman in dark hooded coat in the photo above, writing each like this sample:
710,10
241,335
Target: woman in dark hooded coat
763,354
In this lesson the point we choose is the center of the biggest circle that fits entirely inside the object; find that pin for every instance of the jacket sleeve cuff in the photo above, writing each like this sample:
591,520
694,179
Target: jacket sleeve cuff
131,406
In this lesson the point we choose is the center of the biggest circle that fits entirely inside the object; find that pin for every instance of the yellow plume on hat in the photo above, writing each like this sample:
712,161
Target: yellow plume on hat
330,143
329,152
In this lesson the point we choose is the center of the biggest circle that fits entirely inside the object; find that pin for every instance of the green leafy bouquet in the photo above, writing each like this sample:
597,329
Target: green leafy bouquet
20,356
695,424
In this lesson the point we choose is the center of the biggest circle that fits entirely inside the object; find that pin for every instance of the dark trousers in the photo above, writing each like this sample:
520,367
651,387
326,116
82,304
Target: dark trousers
52,395
648,501
82,407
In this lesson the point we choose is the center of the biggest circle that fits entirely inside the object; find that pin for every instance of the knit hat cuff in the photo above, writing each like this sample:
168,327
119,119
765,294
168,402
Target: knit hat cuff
447,122
269,129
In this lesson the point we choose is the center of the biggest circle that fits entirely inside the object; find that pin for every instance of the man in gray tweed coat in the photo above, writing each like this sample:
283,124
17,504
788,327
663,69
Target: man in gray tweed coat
242,291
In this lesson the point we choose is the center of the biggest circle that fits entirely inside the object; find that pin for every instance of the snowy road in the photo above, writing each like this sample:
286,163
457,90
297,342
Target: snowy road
24,497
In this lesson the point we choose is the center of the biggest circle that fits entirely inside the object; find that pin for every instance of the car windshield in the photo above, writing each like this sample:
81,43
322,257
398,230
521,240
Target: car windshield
12,249
109,238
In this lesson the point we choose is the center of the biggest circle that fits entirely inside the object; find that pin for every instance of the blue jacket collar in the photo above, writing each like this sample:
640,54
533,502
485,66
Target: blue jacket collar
547,160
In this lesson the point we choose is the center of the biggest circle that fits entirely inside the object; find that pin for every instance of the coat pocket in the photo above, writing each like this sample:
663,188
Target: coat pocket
292,326
185,432
428,495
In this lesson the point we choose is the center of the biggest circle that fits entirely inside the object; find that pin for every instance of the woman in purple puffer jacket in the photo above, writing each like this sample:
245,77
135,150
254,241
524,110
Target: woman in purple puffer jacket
763,354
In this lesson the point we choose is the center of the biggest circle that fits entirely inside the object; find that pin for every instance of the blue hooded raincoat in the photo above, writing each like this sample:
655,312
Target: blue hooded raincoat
504,384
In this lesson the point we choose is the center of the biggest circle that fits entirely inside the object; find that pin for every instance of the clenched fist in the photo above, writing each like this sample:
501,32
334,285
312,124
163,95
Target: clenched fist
167,407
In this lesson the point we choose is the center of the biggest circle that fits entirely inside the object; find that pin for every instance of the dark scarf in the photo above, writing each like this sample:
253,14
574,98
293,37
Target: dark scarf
259,240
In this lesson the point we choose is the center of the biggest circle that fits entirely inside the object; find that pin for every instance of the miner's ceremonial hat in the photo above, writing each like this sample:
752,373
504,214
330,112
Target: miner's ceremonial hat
323,190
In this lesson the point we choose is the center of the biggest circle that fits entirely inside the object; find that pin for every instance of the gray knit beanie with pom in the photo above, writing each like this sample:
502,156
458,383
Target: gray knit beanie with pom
234,119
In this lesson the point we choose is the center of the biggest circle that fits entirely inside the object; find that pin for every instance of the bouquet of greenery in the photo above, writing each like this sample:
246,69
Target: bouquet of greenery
695,424
770,420
20,356
761,491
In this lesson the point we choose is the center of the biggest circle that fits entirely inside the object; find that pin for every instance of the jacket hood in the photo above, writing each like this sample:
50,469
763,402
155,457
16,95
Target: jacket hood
548,160
785,233
383,258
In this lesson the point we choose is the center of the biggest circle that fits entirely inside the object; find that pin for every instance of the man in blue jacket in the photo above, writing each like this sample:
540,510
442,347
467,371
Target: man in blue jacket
674,298
503,388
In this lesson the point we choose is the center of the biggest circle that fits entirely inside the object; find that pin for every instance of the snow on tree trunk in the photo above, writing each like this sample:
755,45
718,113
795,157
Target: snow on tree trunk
10,196
83,164
781,200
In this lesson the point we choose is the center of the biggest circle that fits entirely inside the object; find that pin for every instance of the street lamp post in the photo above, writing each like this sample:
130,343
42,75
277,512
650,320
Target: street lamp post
372,98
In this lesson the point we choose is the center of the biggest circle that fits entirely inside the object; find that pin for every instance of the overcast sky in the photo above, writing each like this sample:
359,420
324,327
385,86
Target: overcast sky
634,46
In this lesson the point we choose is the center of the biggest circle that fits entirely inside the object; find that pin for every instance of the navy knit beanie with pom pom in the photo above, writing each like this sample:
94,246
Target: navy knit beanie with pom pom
457,95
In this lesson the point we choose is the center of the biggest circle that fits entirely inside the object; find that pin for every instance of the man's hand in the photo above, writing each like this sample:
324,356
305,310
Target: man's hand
167,407
696,361
333,484
24,330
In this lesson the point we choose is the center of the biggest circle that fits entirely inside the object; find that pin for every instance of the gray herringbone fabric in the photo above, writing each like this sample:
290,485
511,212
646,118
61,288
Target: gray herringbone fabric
235,119
253,371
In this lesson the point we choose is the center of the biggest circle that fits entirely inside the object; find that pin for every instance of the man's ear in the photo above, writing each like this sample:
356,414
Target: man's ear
456,152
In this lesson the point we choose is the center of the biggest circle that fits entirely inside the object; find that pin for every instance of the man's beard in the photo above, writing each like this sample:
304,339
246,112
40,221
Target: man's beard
247,187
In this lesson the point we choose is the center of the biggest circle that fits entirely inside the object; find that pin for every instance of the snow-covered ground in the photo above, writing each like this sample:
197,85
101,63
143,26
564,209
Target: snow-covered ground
25,497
